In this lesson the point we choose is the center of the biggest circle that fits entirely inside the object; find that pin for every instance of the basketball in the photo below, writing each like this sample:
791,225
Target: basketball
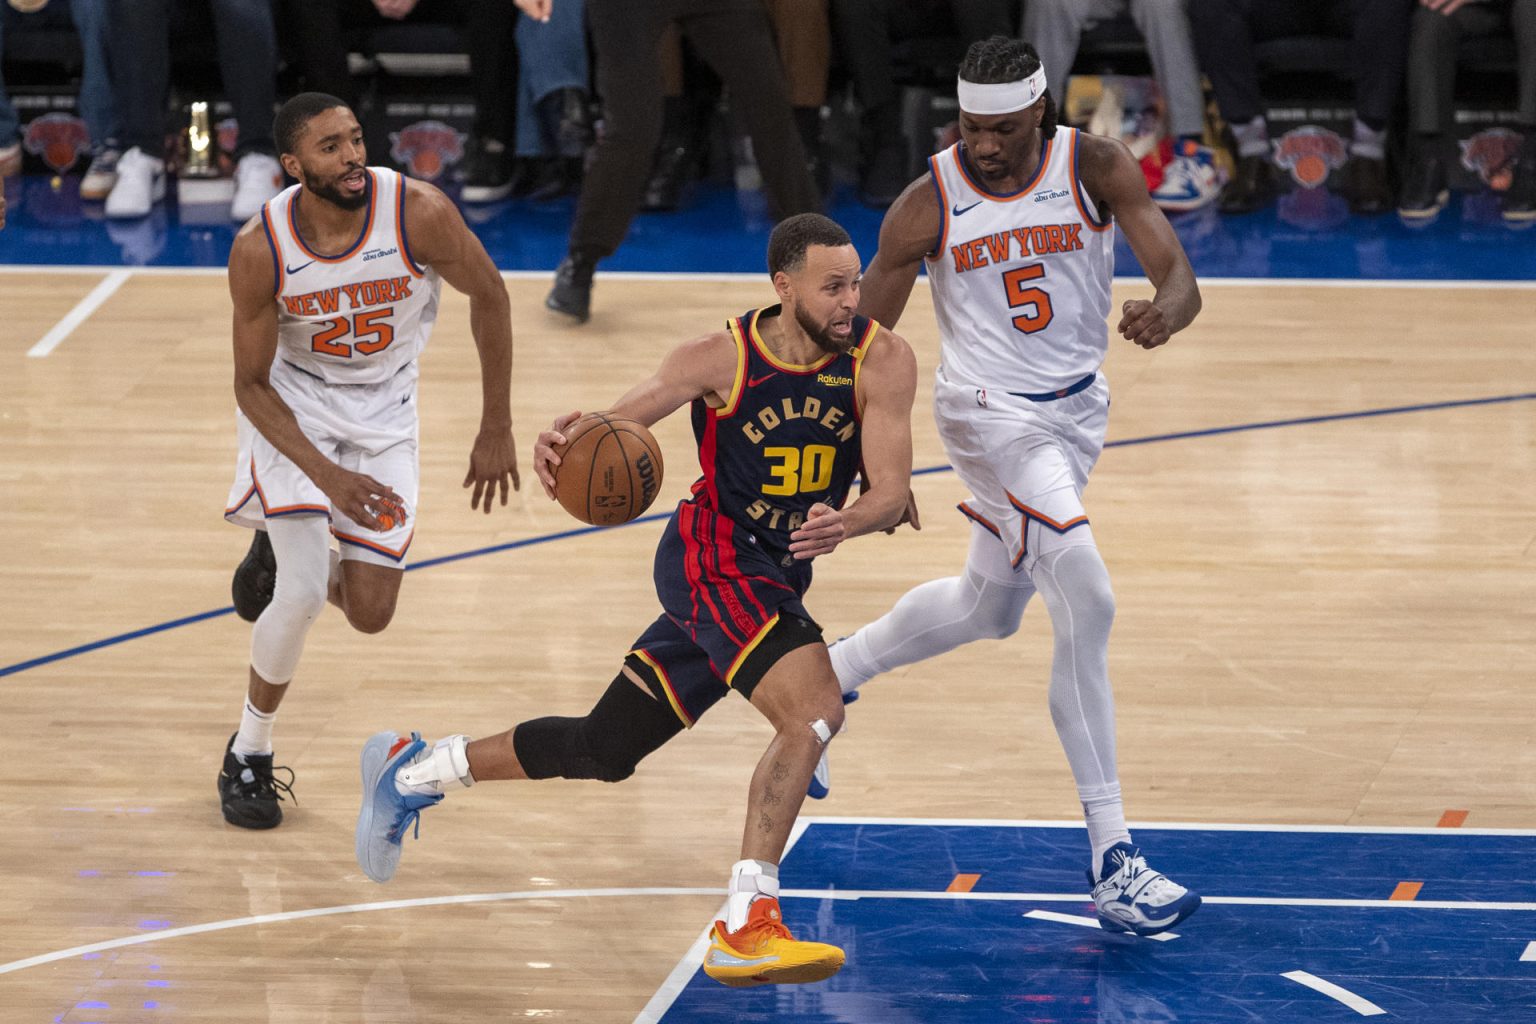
610,469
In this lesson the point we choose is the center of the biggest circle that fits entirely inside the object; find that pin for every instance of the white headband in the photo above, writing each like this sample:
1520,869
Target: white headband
1003,98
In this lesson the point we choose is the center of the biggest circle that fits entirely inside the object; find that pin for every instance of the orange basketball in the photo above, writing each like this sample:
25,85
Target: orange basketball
610,469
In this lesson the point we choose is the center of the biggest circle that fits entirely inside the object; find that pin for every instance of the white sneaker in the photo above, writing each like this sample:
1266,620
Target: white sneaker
100,176
10,160
258,177
1131,897
1190,180
140,185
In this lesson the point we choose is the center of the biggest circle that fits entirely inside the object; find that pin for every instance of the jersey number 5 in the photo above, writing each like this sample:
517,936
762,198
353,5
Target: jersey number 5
372,323
1019,294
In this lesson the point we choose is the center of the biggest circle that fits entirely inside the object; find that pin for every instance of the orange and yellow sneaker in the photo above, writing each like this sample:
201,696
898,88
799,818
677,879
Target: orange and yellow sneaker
762,952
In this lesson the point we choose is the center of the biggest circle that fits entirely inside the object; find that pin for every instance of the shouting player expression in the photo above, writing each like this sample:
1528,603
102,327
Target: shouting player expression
331,159
1001,147
823,294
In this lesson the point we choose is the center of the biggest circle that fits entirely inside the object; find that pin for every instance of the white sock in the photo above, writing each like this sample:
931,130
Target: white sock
749,880
443,767
1368,142
1105,814
255,735
1252,138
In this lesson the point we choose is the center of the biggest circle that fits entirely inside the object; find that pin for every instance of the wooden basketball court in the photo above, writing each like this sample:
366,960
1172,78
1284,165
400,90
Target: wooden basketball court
1325,622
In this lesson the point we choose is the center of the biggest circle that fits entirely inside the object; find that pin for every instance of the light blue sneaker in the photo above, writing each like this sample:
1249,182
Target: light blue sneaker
386,814
821,779
1131,897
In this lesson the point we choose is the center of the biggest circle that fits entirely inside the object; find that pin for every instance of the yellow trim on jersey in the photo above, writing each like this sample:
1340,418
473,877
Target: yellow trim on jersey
747,650
666,686
773,360
859,352
739,385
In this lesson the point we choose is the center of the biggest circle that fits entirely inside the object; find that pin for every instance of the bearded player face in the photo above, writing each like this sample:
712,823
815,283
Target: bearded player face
331,159
824,294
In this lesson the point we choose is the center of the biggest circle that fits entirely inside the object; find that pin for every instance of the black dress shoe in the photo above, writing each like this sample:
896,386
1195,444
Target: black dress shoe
1424,192
1519,205
487,172
1252,186
572,294
1364,184
670,175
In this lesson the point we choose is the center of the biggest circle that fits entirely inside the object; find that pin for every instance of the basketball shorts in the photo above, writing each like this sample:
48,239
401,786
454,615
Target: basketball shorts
365,428
730,612
1025,462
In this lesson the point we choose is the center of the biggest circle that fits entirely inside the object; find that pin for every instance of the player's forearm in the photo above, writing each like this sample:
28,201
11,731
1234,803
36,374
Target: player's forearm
884,292
269,414
878,508
490,322
1178,296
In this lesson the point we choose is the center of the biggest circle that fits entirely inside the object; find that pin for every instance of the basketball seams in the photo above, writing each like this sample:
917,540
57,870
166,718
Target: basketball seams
631,442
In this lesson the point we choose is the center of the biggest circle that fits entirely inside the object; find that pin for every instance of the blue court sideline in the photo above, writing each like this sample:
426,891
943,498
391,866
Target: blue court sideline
1278,901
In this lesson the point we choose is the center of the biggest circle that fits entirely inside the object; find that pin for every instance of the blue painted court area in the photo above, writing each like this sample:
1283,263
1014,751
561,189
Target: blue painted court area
1277,902
1307,234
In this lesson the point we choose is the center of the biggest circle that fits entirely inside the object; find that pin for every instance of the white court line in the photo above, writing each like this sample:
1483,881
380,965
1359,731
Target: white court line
650,275
1530,952
1361,1005
75,317
1197,826
1088,922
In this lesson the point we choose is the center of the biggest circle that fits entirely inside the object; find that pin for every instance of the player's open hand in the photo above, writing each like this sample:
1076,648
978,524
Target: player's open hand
1143,323
544,458
362,499
492,462
823,531
908,515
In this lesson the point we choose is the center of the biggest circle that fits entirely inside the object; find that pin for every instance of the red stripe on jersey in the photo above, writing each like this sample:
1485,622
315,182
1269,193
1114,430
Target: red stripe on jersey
727,554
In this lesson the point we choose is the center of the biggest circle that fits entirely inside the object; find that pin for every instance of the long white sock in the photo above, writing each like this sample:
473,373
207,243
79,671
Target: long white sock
443,767
1105,815
749,880
255,735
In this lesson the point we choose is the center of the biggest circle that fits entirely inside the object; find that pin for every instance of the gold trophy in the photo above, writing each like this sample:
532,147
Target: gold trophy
202,148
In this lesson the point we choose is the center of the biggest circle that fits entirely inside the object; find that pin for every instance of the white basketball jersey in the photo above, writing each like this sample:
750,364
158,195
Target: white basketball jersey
359,316
1021,282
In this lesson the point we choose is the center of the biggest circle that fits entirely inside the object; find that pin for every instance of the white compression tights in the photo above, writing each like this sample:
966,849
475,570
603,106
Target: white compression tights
302,545
940,615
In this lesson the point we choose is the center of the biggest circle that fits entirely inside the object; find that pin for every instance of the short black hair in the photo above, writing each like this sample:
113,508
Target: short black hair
792,236
295,114
1000,59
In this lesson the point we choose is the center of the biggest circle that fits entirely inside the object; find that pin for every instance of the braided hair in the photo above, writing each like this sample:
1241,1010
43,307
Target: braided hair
1000,59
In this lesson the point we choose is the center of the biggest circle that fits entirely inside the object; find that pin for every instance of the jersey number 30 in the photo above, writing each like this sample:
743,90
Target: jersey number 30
1019,294
800,471
371,324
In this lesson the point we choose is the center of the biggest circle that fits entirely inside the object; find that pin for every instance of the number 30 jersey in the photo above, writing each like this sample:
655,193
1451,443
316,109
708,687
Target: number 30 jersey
359,316
1020,281
788,436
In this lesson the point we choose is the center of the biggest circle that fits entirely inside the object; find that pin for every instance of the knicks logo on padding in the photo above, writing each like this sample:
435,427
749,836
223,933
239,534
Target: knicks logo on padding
1310,153
59,139
1490,154
427,148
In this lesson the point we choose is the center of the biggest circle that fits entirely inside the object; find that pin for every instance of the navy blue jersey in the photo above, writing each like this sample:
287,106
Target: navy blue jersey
787,438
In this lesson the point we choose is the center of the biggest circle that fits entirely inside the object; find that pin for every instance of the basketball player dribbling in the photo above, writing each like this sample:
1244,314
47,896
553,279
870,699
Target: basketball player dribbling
1015,223
788,403
335,287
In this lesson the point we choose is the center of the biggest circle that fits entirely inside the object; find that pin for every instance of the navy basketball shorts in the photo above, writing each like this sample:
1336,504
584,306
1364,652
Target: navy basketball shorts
731,610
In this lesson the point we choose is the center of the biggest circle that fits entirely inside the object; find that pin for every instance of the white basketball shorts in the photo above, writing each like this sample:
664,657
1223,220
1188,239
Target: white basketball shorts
365,428
1025,462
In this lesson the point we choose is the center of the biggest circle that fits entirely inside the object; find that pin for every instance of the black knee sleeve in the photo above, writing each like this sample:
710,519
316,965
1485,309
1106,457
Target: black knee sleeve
625,725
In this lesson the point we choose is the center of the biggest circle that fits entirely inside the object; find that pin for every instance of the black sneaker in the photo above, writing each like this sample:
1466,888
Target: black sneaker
1365,186
248,792
255,579
572,294
1424,192
1252,186
487,173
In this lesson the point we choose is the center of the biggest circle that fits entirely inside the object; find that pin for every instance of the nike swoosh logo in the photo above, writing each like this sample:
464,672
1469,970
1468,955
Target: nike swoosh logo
753,382
295,270
957,209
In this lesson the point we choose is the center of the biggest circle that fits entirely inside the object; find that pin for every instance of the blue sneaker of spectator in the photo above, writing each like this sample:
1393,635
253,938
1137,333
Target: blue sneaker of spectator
386,813
1132,897
821,779
1191,179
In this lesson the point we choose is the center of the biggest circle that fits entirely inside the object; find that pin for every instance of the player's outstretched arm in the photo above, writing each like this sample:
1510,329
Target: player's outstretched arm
439,238
1117,186
702,368
251,287
887,384
908,233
